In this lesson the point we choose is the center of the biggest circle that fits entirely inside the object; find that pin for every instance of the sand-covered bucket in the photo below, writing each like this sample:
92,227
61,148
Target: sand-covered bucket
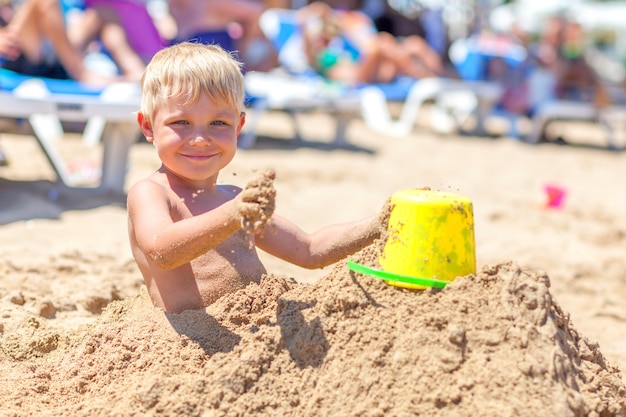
430,240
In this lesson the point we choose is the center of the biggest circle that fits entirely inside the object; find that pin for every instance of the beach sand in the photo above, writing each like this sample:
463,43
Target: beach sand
540,329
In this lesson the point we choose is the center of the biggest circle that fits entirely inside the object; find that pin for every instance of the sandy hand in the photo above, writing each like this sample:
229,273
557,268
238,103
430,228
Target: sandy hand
257,202
383,217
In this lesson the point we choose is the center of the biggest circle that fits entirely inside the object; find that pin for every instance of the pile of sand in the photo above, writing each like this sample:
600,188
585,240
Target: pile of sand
494,344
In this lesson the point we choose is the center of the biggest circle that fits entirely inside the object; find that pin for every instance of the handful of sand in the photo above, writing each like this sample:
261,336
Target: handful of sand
257,202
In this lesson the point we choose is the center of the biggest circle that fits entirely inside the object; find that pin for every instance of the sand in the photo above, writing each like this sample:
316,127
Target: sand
540,329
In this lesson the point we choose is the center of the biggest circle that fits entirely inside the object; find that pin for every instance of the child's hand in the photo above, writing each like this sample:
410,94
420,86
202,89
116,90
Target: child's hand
257,202
383,217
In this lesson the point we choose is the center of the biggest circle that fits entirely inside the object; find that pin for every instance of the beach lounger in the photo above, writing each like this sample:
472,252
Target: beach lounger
291,94
455,102
109,114
296,88
609,117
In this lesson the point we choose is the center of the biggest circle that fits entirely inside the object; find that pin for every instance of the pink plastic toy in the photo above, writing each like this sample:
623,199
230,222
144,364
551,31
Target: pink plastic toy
555,195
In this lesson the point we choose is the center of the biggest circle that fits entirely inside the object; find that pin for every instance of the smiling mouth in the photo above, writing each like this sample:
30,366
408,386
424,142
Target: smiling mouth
199,157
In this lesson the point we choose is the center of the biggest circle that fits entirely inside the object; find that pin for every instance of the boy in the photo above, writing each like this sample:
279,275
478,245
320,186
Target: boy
193,240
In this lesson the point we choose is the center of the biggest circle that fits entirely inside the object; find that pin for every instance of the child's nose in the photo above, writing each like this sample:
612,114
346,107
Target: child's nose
200,136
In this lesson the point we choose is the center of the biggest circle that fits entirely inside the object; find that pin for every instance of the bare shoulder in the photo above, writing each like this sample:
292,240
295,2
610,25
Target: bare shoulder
147,191
148,184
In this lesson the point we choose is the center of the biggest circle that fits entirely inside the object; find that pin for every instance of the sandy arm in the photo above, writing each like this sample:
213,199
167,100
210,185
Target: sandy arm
328,245
169,242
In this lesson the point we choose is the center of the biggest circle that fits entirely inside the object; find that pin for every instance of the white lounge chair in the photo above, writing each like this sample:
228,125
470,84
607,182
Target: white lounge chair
293,94
109,114
455,102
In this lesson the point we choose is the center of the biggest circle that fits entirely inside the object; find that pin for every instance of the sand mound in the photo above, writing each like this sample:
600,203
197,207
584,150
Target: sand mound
495,344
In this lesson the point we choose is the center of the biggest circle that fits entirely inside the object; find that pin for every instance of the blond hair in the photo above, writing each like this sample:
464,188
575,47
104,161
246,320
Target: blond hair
187,70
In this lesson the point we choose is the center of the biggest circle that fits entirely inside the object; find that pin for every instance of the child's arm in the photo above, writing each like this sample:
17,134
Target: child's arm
328,245
170,243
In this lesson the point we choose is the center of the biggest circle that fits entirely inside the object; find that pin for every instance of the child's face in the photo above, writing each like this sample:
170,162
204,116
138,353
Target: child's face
196,141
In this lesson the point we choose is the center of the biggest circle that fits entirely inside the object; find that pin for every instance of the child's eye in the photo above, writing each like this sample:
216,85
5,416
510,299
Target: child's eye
180,122
219,123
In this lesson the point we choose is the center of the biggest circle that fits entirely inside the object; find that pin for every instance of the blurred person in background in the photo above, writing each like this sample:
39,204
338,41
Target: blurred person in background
344,45
233,24
559,67
37,41
577,79
124,30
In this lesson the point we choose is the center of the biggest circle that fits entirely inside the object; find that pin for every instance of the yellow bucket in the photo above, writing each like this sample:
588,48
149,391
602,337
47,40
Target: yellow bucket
430,235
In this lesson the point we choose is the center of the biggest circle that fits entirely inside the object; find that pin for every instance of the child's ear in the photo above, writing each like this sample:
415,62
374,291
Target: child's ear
242,122
145,126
